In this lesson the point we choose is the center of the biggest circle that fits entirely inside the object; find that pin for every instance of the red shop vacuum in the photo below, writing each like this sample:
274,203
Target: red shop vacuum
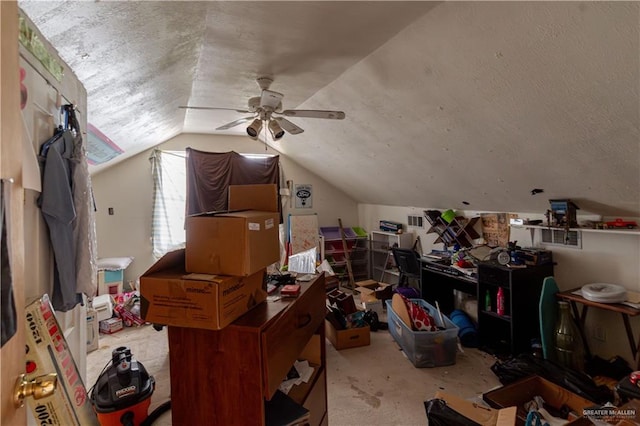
122,394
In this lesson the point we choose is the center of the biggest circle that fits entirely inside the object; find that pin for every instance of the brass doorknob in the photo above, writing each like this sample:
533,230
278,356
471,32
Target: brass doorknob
39,387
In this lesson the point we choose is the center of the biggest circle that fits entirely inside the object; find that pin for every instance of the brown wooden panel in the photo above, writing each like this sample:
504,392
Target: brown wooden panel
285,339
12,353
213,374
218,377
316,402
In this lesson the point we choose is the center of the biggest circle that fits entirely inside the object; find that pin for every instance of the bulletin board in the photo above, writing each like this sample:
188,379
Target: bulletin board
303,232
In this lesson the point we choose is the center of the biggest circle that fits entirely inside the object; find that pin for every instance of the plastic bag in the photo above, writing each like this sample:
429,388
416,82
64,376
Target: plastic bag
440,414
303,262
526,365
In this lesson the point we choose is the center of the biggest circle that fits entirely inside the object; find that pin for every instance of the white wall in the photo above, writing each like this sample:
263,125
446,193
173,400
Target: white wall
127,187
608,258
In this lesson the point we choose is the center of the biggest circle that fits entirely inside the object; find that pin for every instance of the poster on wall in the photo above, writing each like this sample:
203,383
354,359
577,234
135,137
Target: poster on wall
304,196
495,229
100,148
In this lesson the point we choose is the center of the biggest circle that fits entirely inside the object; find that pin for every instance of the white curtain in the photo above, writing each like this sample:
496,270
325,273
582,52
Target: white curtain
169,198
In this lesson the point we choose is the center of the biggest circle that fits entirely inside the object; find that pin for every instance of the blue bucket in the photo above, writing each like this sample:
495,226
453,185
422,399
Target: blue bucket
468,334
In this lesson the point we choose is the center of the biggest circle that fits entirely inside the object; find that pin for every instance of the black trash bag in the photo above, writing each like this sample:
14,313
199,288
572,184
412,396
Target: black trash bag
525,365
616,367
440,414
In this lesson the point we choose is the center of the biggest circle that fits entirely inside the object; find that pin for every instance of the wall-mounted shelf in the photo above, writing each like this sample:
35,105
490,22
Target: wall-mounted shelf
602,231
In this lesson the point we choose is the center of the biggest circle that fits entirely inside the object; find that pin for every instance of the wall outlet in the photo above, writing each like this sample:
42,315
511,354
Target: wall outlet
599,333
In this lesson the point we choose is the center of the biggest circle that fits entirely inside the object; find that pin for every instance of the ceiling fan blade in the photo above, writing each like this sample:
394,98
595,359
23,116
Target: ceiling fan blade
270,99
235,123
289,126
214,108
314,113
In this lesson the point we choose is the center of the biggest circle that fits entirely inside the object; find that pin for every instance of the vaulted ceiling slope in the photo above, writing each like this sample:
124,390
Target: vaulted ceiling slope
445,102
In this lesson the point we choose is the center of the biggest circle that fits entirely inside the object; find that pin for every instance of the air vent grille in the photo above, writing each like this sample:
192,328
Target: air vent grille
561,237
414,221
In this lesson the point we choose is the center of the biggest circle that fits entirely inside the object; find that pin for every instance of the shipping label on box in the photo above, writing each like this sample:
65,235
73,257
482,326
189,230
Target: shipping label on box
235,243
170,296
48,352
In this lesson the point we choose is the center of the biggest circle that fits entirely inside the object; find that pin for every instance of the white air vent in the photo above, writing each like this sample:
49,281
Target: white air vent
414,221
560,237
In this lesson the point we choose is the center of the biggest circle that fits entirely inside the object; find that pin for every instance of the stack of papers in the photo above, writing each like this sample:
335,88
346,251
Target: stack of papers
304,370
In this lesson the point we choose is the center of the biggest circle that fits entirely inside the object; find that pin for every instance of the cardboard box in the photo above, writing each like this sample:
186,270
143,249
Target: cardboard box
482,415
371,284
48,352
371,290
389,226
349,338
522,391
234,243
111,325
253,197
171,296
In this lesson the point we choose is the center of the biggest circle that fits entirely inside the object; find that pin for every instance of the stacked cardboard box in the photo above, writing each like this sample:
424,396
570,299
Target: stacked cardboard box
220,274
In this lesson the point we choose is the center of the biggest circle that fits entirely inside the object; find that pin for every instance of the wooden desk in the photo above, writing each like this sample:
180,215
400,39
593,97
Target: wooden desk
510,333
624,310
438,285
224,377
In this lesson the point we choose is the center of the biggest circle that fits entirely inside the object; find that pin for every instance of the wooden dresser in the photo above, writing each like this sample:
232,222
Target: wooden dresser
224,377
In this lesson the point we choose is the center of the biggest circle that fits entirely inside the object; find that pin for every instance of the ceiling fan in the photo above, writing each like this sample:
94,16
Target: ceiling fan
266,109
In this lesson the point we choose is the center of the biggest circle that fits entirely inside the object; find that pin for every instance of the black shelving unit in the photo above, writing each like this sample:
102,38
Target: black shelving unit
512,332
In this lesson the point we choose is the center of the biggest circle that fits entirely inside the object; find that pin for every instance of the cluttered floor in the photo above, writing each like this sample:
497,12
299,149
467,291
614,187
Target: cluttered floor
369,385
379,384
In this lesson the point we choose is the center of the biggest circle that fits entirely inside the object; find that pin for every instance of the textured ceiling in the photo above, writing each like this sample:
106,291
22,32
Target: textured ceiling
445,102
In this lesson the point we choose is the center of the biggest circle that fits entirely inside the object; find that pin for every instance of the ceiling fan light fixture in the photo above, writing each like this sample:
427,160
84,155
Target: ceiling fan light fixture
254,128
275,129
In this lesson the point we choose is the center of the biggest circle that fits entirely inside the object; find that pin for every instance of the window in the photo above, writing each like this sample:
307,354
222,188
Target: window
169,169
169,197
